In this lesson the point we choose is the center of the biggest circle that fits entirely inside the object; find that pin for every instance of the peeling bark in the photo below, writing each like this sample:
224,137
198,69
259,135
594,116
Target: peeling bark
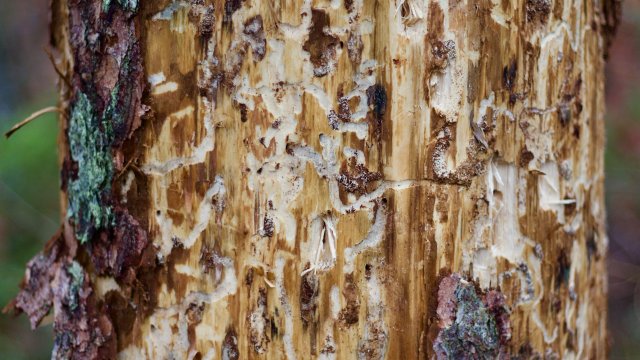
374,179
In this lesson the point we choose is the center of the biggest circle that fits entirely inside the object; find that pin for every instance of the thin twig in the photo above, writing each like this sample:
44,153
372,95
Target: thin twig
127,166
55,67
30,118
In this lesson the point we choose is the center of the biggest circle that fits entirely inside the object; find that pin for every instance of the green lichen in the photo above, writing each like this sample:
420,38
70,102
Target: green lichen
98,125
90,139
474,334
129,5
77,279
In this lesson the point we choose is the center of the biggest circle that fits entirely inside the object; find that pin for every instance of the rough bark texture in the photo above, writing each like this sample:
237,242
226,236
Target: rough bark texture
301,179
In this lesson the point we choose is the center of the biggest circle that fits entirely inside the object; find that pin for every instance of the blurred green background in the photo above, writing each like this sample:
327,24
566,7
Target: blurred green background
29,185
623,184
29,172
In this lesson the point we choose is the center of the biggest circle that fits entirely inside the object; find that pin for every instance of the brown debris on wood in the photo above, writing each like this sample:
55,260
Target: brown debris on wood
464,173
357,178
354,47
230,346
230,7
253,28
259,324
538,10
210,259
268,226
442,53
321,46
350,313
377,102
308,296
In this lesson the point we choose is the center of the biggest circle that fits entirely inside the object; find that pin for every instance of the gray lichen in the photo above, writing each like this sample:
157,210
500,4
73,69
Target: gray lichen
129,5
105,111
90,139
473,327
77,279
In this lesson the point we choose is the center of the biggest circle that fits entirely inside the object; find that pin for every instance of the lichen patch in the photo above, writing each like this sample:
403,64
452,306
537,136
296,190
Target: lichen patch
472,323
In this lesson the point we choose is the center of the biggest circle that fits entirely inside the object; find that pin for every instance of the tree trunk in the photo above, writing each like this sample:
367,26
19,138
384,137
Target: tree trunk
326,179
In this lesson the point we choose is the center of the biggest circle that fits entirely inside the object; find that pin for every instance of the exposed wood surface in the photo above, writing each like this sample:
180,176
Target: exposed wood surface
325,179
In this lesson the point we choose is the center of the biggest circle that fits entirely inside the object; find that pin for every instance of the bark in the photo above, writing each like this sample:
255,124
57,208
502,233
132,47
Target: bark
327,179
